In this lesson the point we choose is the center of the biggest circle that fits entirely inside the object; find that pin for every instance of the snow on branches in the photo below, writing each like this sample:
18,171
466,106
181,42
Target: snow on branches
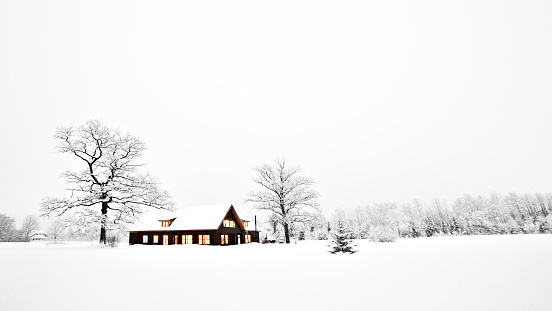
110,181
342,239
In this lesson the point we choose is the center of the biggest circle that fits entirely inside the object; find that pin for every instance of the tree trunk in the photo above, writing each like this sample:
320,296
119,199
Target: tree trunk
286,232
103,231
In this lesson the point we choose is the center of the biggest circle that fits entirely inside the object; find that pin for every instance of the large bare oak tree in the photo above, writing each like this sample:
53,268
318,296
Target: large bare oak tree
286,193
110,182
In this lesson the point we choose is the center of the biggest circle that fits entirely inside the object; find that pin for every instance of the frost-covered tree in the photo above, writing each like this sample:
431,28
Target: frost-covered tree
55,231
430,227
412,230
30,224
286,193
7,228
110,182
341,239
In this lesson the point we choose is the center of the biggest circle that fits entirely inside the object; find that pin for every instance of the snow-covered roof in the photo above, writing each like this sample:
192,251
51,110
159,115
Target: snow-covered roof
203,217
38,232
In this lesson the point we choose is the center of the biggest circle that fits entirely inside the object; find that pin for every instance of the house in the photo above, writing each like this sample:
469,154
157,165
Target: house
38,236
210,224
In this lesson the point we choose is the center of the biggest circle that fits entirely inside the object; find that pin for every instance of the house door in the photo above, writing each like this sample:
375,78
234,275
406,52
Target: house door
238,239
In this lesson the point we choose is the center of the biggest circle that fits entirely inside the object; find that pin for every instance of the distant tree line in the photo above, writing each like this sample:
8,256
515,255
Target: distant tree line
467,215
9,233
60,230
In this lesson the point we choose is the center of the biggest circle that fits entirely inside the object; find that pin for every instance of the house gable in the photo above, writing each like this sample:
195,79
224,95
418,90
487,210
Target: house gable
231,215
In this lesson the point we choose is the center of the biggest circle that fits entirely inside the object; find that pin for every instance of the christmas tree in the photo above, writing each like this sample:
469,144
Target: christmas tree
342,239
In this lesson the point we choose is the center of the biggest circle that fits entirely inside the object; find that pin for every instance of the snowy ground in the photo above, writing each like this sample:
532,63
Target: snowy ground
440,273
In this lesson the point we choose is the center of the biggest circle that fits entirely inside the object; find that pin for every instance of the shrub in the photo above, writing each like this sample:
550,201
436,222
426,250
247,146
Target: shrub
112,240
382,234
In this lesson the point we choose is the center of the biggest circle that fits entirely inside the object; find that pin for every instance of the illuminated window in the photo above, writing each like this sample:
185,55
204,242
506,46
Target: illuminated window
144,239
204,239
245,223
238,238
224,239
175,239
165,240
187,239
155,239
248,238
229,223
164,223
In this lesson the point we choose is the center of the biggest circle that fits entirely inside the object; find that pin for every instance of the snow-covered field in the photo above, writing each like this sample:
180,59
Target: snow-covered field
438,273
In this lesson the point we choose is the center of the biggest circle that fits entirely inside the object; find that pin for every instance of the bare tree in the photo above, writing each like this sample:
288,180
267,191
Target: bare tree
56,229
111,180
30,224
286,193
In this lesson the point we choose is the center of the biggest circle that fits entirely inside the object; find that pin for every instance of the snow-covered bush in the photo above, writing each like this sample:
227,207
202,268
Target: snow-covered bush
411,230
382,234
430,227
509,227
322,236
342,239
113,240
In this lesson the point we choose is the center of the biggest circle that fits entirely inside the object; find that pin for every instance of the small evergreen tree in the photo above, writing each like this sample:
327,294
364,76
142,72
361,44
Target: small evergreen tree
430,227
454,226
342,239
412,231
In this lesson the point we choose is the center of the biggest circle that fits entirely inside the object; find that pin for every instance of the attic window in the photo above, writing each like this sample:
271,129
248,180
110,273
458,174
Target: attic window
229,223
245,223
165,223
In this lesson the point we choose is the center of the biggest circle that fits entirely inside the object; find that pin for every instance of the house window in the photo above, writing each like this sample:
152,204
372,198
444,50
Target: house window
245,223
155,239
238,239
224,239
204,239
187,239
165,223
145,239
248,238
165,240
175,239
229,223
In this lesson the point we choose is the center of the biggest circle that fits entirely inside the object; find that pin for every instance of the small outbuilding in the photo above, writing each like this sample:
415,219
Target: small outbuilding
38,236
207,225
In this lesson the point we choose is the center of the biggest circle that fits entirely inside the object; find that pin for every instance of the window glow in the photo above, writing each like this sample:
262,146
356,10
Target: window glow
246,223
165,223
224,239
248,238
238,239
229,223
204,239
165,240
144,239
175,239
187,239
155,239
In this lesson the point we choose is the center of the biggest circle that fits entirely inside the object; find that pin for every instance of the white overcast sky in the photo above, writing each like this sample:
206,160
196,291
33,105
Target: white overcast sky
376,100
